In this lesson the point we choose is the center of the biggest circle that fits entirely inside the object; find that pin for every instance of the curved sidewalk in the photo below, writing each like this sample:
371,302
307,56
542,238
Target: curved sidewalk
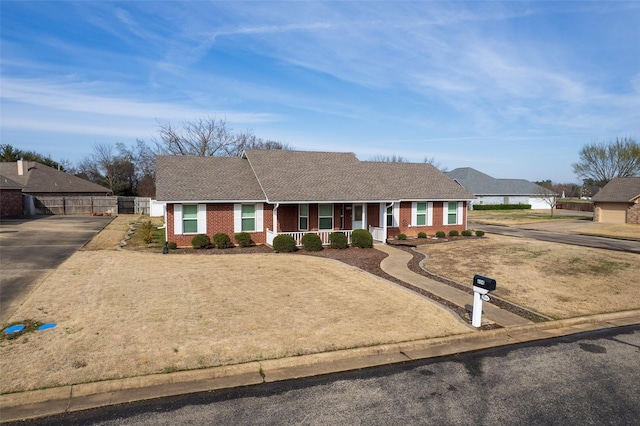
395,264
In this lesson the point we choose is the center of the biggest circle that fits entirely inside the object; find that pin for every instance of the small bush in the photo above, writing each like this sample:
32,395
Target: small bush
311,242
284,243
401,237
243,239
338,240
221,240
501,206
466,233
422,235
362,238
441,234
479,233
172,245
200,241
453,233
146,231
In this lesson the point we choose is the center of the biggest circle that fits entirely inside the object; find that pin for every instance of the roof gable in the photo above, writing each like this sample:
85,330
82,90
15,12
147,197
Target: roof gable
621,189
191,178
39,178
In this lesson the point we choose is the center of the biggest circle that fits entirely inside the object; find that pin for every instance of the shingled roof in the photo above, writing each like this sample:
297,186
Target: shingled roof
621,190
480,184
300,176
6,183
36,178
190,178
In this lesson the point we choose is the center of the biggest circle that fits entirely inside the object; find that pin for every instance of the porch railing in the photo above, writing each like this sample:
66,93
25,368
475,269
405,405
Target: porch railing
297,236
377,233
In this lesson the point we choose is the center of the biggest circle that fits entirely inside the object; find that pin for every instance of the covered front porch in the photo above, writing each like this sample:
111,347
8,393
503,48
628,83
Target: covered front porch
325,218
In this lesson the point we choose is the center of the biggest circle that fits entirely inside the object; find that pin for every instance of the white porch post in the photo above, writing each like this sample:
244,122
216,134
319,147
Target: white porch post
275,217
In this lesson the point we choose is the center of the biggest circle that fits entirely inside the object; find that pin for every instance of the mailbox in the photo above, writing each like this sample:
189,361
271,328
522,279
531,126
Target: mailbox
484,283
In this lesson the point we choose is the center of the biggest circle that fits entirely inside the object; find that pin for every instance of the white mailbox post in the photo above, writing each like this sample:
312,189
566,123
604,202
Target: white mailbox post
481,288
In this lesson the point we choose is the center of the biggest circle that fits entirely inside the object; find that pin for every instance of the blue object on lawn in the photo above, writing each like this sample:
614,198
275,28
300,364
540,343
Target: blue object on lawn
47,326
14,329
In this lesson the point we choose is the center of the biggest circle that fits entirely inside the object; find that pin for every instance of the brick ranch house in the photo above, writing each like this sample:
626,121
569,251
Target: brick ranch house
271,192
618,201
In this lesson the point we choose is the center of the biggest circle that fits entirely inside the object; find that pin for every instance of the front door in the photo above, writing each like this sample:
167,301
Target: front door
357,217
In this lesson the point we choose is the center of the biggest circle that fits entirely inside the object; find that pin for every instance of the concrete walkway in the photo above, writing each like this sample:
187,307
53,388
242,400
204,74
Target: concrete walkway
395,264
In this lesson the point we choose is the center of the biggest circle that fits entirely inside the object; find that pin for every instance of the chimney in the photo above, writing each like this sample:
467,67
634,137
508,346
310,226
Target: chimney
20,167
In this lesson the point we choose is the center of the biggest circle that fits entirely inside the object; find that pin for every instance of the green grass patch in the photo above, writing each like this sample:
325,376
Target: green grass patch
30,325
578,265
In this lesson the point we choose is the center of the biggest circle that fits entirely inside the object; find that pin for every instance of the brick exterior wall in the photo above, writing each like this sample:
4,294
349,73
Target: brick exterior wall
220,218
10,203
633,214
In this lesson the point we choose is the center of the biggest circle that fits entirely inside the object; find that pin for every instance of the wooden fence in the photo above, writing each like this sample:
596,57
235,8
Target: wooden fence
573,205
78,205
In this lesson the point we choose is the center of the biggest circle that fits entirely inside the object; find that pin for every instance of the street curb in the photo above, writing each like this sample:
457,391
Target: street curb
47,402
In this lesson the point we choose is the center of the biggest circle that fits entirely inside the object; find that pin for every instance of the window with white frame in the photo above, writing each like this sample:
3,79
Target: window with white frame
303,217
390,216
325,216
190,219
421,214
452,213
248,217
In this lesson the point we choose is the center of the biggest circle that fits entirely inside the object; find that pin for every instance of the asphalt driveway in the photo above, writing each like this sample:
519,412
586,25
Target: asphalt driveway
556,235
30,248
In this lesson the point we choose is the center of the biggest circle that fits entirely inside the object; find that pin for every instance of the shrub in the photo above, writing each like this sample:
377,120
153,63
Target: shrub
401,237
479,233
284,243
501,206
200,241
146,231
172,245
466,233
422,235
441,234
338,240
221,240
453,233
243,239
362,238
311,242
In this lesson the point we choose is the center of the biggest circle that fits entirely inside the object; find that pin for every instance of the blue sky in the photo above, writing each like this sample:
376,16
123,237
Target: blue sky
513,89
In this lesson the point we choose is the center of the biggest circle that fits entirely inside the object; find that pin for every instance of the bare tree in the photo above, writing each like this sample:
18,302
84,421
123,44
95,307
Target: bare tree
209,137
601,162
549,194
388,158
109,168
435,163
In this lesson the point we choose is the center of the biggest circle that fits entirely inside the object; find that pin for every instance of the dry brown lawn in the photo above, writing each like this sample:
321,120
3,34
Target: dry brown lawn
124,313
555,279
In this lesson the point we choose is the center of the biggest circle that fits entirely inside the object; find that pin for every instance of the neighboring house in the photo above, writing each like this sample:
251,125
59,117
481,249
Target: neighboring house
271,192
489,190
10,198
618,201
37,180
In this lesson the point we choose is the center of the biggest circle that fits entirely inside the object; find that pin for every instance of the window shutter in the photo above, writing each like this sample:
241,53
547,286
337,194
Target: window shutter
177,219
414,213
202,218
259,218
460,212
430,214
445,213
237,218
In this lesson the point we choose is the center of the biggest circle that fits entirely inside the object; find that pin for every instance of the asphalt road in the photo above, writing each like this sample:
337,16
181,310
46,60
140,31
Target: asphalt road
32,247
586,379
558,237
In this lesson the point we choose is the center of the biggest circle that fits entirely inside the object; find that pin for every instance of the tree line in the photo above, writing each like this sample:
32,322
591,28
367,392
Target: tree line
130,170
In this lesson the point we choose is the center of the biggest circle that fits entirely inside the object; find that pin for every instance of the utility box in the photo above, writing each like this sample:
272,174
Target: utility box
484,283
